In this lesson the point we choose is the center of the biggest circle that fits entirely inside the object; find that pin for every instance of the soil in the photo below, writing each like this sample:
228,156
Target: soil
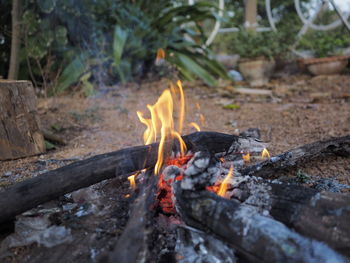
302,109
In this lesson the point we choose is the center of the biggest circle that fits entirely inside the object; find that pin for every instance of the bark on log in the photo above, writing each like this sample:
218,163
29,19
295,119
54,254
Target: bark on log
324,216
133,244
32,192
255,237
20,133
336,146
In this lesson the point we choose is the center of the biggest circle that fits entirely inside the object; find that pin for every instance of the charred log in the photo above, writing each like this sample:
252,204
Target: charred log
324,216
132,246
256,238
336,146
32,192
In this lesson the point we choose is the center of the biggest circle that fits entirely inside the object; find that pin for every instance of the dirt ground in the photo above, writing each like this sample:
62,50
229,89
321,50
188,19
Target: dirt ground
300,109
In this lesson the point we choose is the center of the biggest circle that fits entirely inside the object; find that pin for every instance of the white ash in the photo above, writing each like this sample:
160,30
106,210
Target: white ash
201,171
193,245
247,144
259,192
171,171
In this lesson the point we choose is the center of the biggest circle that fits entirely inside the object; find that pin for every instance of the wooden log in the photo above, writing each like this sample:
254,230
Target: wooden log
20,133
324,216
256,238
267,169
133,244
32,192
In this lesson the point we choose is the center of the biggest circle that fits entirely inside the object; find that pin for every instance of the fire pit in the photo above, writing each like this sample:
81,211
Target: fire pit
206,196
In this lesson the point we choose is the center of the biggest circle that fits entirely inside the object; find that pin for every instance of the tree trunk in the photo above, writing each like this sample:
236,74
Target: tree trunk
20,133
15,40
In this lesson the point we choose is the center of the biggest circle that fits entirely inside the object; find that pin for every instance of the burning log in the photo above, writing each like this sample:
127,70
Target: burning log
336,146
324,216
45,187
132,246
256,238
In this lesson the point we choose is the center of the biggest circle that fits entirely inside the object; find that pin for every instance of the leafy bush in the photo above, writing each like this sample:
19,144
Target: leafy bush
251,44
324,44
67,42
146,26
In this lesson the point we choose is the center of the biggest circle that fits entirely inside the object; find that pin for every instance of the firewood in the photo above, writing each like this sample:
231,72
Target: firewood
337,146
324,216
133,244
20,133
45,187
255,237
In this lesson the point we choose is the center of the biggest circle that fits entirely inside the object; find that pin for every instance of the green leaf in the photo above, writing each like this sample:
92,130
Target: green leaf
72,73
49,146
192,66
231,107
119,40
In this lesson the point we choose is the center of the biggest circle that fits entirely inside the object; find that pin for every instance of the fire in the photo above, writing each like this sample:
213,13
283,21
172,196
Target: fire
265,153
161,124
224,184
202,119
132,181
246,157
160,56
195,125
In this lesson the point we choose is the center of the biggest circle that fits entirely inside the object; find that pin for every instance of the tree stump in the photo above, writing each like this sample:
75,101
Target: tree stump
20,133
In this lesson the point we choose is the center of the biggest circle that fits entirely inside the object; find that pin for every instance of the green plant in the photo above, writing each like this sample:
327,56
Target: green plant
324,44
251,44
76,43
162,25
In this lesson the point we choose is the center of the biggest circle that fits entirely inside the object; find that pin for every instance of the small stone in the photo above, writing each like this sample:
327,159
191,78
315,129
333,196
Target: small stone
7,174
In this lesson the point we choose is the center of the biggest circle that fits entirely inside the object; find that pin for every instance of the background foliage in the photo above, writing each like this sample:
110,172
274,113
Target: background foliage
67,42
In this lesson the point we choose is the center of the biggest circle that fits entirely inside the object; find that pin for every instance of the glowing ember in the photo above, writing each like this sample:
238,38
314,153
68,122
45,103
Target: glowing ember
195,125
246,157
132,182
224,184
265,153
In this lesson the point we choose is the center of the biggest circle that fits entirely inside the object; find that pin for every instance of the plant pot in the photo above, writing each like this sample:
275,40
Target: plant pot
325,66
258,71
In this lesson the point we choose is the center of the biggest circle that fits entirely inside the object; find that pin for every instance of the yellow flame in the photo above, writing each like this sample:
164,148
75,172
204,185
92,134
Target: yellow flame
195,125
265,153
132,181
162,123
223,186
246,157
182,106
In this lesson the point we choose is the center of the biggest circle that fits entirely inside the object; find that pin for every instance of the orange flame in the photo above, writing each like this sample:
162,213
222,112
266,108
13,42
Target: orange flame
195,125
265,153
161,123
202,119
223,187
246,157
160,56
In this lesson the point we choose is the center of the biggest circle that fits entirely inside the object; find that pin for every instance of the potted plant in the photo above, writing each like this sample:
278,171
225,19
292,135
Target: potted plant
257,51
326,49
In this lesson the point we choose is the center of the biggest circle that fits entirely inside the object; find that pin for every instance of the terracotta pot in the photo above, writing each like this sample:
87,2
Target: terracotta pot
258,71
325,66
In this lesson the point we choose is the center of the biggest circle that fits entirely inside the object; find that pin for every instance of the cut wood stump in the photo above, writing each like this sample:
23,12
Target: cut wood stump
20,134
